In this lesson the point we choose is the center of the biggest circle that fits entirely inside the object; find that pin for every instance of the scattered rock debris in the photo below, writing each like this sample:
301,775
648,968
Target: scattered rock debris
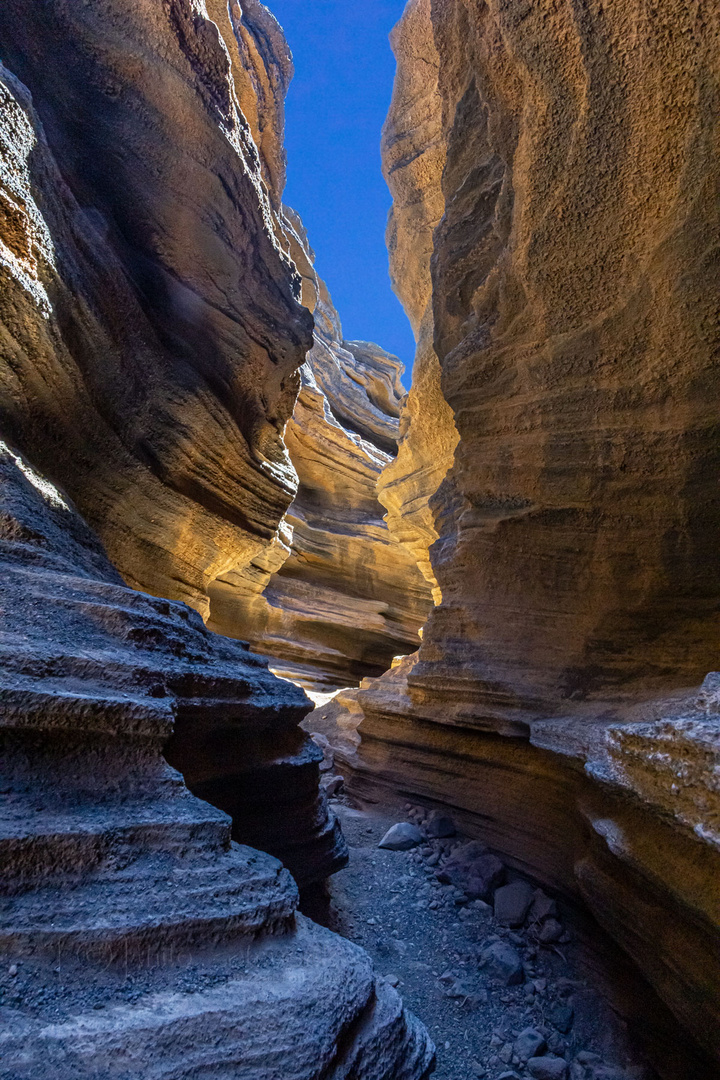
474,950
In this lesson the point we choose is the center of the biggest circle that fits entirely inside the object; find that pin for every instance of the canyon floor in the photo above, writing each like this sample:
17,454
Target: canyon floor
429,942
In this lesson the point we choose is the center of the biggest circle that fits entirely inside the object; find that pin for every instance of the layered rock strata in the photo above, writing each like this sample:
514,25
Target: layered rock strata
413,148
559,702
151,323
137,936
340,596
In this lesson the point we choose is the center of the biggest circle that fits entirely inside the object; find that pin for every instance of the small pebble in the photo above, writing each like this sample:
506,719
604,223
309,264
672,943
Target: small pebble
12,970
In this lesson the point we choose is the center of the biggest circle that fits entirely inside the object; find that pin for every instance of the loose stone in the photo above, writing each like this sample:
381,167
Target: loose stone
401,837
548,1068
512,903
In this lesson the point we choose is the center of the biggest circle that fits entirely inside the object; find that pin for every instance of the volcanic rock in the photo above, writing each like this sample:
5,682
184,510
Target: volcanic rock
503,963
440,825
512,903
114,872
548,1068
529,1044
339,597
477,874
558,702
401,837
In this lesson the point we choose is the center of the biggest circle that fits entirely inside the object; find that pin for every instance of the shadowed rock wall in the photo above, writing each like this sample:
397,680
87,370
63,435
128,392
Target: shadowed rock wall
136,930
559,702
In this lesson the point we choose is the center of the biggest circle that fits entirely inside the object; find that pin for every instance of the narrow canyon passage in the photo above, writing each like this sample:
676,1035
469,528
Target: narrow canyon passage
348,733
496,986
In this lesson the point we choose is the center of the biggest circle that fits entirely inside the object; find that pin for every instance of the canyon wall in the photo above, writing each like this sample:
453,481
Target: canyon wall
156,379
150,310
413,148
151,335
341,596
559,701
136,934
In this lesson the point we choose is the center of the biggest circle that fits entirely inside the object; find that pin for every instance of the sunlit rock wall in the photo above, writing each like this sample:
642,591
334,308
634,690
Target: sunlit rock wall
559,702
413,150
151,323
576,323
339,597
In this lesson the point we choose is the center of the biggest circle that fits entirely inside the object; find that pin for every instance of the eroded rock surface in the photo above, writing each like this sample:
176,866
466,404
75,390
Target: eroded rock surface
413,159
137,935
341,596
151,332
151,324
559,702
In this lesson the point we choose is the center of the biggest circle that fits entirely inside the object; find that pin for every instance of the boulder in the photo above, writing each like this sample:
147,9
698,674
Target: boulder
548,1068
550,932
542,907
476,874
512,903
503,963
401,837
529,1044
440,825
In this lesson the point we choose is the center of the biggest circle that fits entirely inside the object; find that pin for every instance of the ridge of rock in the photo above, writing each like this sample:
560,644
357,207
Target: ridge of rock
141,936
150,308
338,596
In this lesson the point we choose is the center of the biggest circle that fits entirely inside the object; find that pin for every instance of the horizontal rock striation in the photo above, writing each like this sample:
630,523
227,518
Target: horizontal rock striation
339,597
80,648
151,333
150,316
559,701
413,148
137,935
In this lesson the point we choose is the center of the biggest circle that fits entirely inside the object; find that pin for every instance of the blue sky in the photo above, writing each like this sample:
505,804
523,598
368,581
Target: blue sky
336,106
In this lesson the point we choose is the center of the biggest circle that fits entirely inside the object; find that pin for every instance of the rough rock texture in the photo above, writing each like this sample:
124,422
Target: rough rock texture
72,646
554,702
576,321
339,597
413,158
142,939
151,329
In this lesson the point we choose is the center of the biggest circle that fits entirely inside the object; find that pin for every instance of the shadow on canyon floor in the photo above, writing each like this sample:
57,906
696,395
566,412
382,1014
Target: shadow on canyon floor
429,941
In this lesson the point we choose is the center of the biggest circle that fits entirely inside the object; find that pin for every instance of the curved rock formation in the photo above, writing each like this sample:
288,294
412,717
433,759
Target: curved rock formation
554,702
339,597
151,332
151,325
134,930
413,148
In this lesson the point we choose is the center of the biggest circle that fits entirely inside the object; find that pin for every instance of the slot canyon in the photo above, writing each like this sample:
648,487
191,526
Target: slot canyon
350,733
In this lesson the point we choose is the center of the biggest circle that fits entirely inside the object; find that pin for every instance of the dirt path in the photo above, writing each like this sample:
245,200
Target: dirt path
484,1016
